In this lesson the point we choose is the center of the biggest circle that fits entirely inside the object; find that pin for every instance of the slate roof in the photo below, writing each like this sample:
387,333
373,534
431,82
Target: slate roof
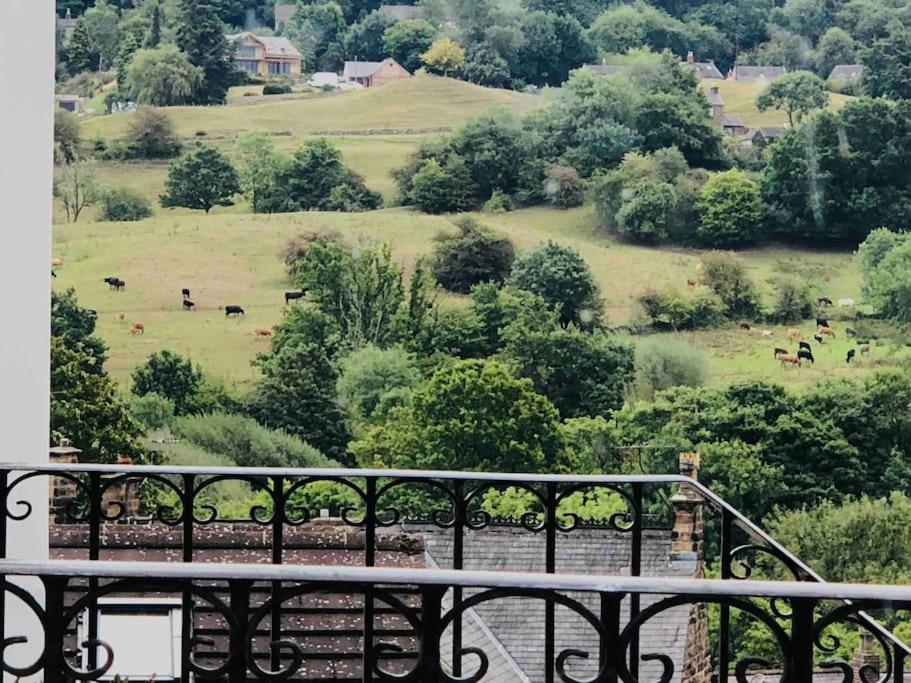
714,97
276,46
846,72
704,69
770,132
751,74
605,69
732,121
516,622
361,69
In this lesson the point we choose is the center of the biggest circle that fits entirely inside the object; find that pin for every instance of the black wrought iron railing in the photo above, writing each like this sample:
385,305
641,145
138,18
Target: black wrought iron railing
71,587
455,503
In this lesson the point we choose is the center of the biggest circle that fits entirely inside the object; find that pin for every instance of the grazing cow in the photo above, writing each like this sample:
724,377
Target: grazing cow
804,345
185,292
293,296
787,359
121,317
53,274
851,332
138,328
262,332
57,262
690,283
745,326
234,310
823,301
188,305
822,322
794,335
818,338
806,354
119,285
767,333
826,331
780,351
850,356
846,303
864,349
111,281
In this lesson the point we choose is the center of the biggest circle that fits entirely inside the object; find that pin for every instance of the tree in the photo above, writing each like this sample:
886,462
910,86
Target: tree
471,415
314,28
75,326
373,381
67,138
730,210
493,149
80,56
553,46
784,48
153,37
170,375
835,47
76,186
201,179
125,52
796,93
162,77
648,210
297,392
101,25
808,18
564,187
445,57
561,277
793,302
471,256
259,165
124,204
871,252
438,189
364,39
663,361
890,283
201,37
151,135
406,41
86,407
681,121
725,274
887,64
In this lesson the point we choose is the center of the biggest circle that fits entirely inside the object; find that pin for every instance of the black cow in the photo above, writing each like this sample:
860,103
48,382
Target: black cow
185,292
824,301
822,322
53,274
850,331
118,284
233,310
111,281
806,354
851,354
804,345
818,338
188,305
293,296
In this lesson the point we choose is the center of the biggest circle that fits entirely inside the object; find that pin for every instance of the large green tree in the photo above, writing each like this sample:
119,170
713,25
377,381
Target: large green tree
201,179
406,41
170,375
201,37
162,77
796,94
730,210
75,325
887,64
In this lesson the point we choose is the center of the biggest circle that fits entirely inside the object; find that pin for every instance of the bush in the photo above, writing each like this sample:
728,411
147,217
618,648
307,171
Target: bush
890,284
474,255
672,309
873,250
725,274
124,204
437,188
170,375
564,187
151,135
499,202
664,362
730,210
373,381
247,443
793,302
153,410
295,249
276,89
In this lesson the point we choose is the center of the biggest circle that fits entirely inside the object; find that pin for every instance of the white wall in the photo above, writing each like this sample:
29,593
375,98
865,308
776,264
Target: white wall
26,132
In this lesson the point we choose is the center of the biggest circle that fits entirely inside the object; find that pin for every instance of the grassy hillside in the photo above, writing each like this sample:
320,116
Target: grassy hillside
740,100
421,102
232,259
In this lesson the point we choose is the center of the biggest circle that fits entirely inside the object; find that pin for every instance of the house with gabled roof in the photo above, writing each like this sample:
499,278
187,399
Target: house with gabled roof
846,73
371,74
605,69
704,70
756,74
265,55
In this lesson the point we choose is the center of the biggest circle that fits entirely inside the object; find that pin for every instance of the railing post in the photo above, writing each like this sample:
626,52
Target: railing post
429,655
550,530
240,609
278,488
95,511
802,640
610,650
458,551
186,599
369,561
55,629
724,618
635,570
898,674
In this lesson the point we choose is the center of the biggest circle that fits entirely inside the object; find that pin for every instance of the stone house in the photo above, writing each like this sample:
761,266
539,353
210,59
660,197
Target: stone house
371,74
265,55
846,73
704,70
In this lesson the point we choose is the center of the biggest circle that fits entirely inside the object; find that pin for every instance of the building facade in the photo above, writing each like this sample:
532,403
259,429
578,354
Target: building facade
265,55
371,74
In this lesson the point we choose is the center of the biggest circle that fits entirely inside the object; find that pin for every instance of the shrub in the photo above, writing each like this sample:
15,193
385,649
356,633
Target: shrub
170,375
473,255
793,302
67,138
725,274
373,381
663,362
730,210
124,204
247,443
151,135
276,89
295,249
672,309
499,202
890,284
564,187
873,250
153,410
437,188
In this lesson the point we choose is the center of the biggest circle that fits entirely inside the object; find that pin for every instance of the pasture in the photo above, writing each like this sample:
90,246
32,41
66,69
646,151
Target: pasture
232,258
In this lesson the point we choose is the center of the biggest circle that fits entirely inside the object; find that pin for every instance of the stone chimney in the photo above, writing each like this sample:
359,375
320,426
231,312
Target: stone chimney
61,491
716,103
690,57
686,536
866,661
125,492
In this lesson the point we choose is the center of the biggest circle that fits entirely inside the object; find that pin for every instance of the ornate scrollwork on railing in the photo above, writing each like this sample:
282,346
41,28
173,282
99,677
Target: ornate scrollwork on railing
562,658
258,514
9,642
293,514
622,521
477,518
76,510
829,643
443,517
746,606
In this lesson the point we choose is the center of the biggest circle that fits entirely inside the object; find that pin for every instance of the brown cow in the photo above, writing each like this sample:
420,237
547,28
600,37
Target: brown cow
744,325
826,331
690,283
138,328
262,332
794,335
864,349
121,317
787,359
780,352
57,262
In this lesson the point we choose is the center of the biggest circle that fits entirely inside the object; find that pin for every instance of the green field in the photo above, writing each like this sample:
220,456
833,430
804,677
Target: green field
232,259
740,100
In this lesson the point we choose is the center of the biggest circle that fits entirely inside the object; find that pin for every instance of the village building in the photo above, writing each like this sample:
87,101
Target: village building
756,74
704,70
73,103
766,135
265,55
605,69
65,26
372,74
846,73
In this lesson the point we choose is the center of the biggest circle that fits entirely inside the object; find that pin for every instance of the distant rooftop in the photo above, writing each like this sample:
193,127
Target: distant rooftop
732,121
714,97
274,45
752,74
361,69
605,69
846,72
